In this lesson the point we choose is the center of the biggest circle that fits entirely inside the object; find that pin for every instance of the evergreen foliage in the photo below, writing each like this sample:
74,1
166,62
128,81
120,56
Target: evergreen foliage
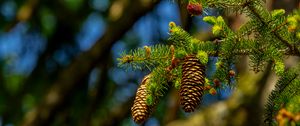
286,89
268,37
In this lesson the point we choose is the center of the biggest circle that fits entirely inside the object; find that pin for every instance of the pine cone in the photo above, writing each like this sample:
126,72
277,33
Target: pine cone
192,83
140,111
194,8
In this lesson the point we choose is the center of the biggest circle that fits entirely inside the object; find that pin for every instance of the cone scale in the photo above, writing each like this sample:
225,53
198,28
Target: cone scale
192,83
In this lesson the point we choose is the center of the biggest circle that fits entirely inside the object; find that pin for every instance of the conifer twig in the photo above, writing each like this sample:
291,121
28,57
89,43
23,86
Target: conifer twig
293,49
279,26
247,53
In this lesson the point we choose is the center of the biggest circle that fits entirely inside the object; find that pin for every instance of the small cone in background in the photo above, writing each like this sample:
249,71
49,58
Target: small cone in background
194,8
192,83
140,110
212,91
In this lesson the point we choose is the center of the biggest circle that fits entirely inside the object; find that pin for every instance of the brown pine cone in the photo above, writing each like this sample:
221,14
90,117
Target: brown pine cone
192,83
140,111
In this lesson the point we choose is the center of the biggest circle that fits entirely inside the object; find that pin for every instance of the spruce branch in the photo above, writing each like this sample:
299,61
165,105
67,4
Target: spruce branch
236,43
146,57
178,63
279,26
263,16
230,5
246,29
185,43
272,104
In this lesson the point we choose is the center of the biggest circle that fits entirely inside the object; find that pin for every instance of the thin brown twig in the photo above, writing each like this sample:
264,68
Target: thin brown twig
279,26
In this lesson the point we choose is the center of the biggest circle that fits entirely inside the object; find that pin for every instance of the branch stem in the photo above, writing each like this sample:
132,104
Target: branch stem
293,49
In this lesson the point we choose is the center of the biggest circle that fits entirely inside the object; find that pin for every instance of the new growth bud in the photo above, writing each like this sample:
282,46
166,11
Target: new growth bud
202,56
147,51
172,24
292,23
212,91
277,13
279,67
210,19
220,19
172,27
216,30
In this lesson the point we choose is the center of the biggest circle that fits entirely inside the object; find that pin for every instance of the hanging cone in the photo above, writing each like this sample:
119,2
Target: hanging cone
192,83
194,8
140,111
